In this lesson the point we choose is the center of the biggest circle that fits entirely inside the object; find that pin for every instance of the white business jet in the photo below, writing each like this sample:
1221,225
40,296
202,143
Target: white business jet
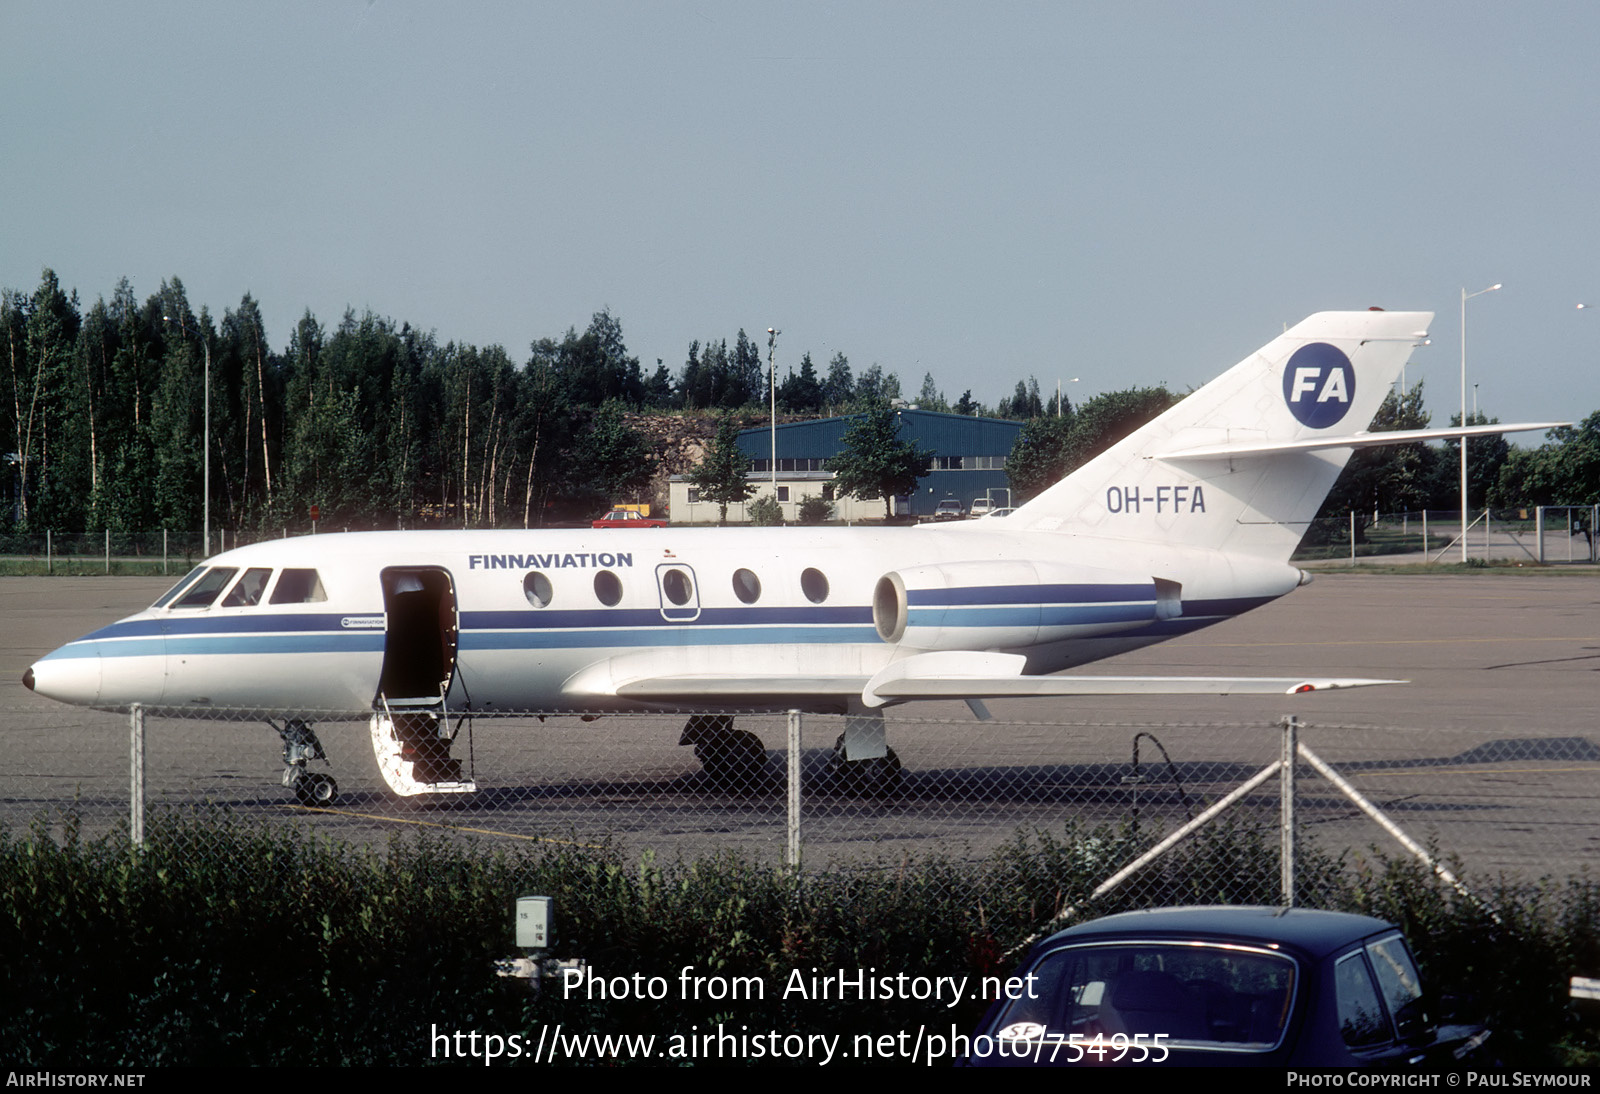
1188,521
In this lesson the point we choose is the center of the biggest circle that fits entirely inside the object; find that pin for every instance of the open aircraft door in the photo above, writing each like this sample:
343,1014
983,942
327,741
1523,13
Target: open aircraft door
412,732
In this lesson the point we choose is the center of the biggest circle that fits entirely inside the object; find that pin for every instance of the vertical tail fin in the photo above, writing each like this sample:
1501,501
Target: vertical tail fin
1322,379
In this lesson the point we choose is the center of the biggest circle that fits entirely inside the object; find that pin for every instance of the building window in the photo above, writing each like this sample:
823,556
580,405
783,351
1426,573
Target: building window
694,495
783,493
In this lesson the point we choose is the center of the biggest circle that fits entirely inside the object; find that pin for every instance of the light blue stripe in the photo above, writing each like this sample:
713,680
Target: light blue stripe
1043,616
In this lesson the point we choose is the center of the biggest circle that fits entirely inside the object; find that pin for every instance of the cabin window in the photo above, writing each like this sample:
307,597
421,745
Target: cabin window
536,587
204,591
188,579
814,583
746,586
246,592
694,495
608,588
298,587
677,586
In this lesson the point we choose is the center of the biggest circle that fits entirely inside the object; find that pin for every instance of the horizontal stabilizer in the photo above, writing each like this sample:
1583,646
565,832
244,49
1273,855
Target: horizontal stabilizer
1350,440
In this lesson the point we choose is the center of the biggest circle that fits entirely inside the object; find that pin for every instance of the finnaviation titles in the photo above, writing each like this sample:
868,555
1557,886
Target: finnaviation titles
548,562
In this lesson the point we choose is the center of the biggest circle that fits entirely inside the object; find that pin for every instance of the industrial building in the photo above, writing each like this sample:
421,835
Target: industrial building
969,462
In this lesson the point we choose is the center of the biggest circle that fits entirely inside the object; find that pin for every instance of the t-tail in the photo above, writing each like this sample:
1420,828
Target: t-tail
1242,465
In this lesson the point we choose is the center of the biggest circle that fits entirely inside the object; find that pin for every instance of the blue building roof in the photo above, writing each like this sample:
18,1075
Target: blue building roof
969,454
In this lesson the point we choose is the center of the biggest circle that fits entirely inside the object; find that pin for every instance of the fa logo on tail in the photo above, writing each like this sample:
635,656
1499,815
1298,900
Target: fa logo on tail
1318,385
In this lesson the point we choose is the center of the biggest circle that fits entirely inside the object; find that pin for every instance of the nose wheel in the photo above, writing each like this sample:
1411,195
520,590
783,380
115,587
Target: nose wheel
300,747
316,790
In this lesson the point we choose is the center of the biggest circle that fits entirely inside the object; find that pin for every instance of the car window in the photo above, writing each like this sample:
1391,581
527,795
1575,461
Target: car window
1362,1023
1400,985
1216,997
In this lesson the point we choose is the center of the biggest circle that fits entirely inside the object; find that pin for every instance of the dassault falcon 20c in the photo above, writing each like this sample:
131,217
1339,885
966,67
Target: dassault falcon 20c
1188,521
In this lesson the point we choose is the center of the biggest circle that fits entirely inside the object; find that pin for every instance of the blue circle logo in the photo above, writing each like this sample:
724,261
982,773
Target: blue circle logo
1319,384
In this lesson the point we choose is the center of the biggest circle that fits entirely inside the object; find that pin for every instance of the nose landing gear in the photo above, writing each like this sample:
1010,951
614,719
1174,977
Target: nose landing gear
300,747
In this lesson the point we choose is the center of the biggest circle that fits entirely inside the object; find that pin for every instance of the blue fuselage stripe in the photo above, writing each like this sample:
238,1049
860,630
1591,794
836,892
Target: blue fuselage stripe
616,627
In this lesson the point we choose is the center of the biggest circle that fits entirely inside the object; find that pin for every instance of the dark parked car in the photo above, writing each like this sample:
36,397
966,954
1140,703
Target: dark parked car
1224,986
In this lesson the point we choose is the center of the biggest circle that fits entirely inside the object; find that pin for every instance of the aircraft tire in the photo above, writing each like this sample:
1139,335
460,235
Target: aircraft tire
734,759
316,790
878,778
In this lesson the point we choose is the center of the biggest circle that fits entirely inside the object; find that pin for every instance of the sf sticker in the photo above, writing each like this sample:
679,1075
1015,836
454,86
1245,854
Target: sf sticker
1156,499
1318,385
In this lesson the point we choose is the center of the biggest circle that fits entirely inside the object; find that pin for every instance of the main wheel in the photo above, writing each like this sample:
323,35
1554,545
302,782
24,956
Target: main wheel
876,778
316,790
733,758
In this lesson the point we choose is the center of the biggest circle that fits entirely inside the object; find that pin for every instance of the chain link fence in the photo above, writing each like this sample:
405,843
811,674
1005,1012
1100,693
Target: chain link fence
953,791
1551,534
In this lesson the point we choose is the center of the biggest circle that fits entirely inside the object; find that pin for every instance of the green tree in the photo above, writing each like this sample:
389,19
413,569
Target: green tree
1048,449
721,474
765,512
1485,457
1392,479
614,460
930,397
1565,470
840,386
874,462
801,393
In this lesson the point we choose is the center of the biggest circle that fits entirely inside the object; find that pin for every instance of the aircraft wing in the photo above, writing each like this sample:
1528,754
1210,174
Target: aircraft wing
950,674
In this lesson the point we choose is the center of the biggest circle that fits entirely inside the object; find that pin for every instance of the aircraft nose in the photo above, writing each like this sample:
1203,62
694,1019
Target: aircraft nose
73,680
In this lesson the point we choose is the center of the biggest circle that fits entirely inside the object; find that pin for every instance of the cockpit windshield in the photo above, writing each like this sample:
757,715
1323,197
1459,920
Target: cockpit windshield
204,591
188,579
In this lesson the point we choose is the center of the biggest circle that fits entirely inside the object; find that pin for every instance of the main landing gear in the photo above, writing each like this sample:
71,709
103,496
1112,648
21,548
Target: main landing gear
862,764
300,747
735,760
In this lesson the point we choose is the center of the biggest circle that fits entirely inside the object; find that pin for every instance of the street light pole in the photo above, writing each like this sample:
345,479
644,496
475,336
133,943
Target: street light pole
772,374
1465,296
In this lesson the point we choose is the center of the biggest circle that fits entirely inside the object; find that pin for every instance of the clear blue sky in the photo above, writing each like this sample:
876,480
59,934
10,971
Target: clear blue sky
1128,192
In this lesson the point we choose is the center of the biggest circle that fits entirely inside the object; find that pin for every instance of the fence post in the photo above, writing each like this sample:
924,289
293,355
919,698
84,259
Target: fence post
108,550
1352,535
1424,535
1538,530
1286,794
49,556
136,774
163,551
792,760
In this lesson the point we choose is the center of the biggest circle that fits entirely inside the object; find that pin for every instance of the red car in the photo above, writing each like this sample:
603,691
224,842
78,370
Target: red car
627,518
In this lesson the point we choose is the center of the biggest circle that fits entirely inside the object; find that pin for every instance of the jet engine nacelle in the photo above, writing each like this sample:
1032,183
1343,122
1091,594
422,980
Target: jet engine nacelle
1010,604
